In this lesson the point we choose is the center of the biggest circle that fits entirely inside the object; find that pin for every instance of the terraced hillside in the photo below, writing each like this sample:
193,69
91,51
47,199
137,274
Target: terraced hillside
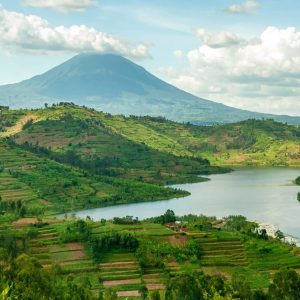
140,140
31,185
78,136
121,271
252,142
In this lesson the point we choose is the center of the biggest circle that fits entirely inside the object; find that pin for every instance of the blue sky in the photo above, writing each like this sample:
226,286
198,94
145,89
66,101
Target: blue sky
243,53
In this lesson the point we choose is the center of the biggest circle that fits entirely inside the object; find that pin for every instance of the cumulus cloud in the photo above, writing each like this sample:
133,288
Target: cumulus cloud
258,74
32,33
61,5
248,6
219,40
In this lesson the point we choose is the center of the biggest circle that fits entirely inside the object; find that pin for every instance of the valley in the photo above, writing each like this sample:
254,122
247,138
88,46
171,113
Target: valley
79,153
69,160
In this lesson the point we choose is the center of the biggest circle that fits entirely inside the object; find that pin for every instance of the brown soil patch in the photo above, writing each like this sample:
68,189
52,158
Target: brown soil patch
173,264
214,271
119,264
18,126
151,275
128,294
121,282
45,202
70,262
152,280
75,246
79,254
179,167
155,286
177,240
46,266
25,221
57,248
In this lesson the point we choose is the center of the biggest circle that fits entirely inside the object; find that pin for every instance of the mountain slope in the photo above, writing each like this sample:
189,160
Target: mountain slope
78,136
155,149
116,85
33,185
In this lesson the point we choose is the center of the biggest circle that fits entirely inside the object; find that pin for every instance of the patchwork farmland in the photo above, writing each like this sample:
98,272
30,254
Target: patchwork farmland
222,253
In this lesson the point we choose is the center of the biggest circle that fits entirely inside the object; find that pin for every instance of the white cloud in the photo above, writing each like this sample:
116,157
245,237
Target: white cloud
258,74
61,5
248,6
178,54
222,39
32,33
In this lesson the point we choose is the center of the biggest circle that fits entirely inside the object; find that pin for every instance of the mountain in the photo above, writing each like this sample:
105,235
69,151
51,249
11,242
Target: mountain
114,84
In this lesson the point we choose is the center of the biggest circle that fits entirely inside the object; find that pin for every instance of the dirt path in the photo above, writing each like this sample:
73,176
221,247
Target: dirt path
18,126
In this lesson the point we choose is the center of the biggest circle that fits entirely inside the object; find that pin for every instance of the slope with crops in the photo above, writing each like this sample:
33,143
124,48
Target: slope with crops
130,259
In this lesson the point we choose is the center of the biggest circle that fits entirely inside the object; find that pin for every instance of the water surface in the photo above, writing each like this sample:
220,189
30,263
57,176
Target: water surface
261,194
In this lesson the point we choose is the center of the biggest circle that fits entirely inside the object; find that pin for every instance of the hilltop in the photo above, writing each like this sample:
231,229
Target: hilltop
114,84
131,140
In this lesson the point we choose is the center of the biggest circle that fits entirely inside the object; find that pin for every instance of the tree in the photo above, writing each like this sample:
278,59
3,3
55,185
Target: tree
110,294
279,235
144,292
30,281
285,286
169,216
241,287
183,287
155,296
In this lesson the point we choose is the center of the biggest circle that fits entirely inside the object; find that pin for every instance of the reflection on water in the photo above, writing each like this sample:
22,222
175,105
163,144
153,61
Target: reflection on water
261,194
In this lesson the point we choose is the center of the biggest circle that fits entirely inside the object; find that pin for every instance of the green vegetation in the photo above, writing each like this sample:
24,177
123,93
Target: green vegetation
252,142
32,185
77,259
86,133
66,158
298,183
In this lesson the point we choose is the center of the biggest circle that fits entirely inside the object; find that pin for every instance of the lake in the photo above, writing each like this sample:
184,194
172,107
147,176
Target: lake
261,194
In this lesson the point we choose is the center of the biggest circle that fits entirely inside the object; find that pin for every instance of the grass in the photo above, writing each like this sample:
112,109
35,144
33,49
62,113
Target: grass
138,229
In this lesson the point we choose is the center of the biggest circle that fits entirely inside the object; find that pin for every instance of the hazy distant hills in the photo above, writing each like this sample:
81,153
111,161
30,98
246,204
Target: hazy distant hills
114,84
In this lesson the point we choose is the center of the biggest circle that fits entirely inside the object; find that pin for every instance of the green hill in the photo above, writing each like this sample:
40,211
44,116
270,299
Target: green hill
65,158
68,157
135,140
32,185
